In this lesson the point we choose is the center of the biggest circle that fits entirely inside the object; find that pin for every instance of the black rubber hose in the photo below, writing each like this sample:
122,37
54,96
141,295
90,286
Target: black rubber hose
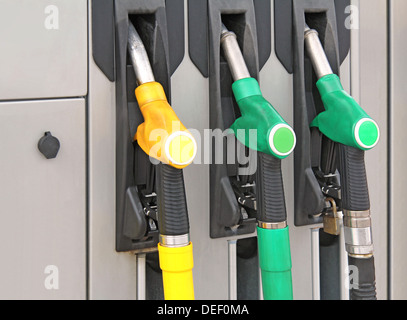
354,189
270,190
364,283
355,197
172,209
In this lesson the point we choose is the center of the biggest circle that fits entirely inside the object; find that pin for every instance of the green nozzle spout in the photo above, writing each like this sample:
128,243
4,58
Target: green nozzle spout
273,135
344,121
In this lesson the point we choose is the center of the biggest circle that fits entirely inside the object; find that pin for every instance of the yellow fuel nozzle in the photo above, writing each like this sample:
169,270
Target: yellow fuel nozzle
162,135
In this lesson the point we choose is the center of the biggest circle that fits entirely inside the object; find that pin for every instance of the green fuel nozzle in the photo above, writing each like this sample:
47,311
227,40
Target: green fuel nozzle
274,136
343,120
274,140
353,132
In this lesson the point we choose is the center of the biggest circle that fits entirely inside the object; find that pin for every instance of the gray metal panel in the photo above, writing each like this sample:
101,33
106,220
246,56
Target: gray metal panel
112,275
44,49
398,155
373,98
42,202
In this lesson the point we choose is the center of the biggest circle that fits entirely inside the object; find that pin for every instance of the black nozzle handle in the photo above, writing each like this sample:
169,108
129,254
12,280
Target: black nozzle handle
354,188
270,190
171,201
362,284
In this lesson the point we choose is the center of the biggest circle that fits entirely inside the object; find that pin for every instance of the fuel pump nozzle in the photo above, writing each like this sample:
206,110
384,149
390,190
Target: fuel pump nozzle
344,121
163,137
275,141
274,136
349,126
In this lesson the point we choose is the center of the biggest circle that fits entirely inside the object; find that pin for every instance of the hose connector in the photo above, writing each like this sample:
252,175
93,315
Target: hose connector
171,241
358,233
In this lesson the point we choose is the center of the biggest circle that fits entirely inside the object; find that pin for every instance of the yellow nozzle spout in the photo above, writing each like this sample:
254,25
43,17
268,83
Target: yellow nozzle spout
162,135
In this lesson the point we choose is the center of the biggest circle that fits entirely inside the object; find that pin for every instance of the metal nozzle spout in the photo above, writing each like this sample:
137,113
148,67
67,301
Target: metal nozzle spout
139,57
233,55
316,53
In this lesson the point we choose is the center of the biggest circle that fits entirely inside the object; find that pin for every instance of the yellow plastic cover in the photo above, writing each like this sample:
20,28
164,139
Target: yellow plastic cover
162,135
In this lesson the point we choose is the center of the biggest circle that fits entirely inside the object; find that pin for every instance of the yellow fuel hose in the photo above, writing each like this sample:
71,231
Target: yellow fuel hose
176,265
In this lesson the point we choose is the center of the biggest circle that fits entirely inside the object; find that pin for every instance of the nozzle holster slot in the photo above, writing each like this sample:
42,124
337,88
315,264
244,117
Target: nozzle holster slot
228,216
232,193
315,158
136,200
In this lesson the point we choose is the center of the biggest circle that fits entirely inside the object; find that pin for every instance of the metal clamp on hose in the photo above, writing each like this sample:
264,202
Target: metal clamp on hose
272,225
358,233
174,241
